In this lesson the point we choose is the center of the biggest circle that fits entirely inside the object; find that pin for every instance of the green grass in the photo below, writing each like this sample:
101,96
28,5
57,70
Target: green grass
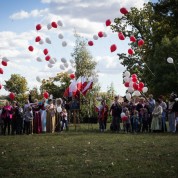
88,153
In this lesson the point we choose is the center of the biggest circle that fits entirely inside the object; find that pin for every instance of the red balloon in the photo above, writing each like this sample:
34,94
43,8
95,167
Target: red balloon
47,58
90,43
140,42
113,48
124,118
30,48
123,10
46,95
134,79
38,27
141,85
140,89
12,96
133,39
130,51
100,34
38,38
1,71
126,84
54,24
4,63
72,76
45,51
121,36
134,76
0,86
108,22
135,86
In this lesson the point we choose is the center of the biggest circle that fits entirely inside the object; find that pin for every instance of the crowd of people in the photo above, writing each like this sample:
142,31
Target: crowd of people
141,114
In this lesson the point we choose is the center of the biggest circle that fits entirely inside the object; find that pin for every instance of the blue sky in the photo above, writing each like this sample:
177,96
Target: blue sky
17,32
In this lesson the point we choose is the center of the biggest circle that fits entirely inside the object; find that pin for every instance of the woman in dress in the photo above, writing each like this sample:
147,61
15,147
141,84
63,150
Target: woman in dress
58,114
50,119
157,117
43,114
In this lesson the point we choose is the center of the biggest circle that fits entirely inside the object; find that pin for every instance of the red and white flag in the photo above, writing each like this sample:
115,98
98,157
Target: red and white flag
81,83
71,90
87,87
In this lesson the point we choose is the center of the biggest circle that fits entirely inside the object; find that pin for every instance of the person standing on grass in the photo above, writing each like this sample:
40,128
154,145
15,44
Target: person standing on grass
59,103
135,120
43,114
115,111
1,121
128,121
175,110
28,123
64,119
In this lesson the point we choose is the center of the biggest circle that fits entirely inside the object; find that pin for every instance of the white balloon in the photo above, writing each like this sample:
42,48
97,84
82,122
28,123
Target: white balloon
51,61
63,60
104,34
126,79
127,74
55,59
71,61
170,60
70,71
59,23
5,59
38,79
95,37
60,36
50,65
49,26
59,109
131,84
41,42
145,89
66,65
95,79
62,67
130,90
64,43
128,96
122,114
39,59
50,96
137,93
48,40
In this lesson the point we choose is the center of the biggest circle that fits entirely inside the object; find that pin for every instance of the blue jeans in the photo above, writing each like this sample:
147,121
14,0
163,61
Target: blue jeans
101,125
66,124
172,122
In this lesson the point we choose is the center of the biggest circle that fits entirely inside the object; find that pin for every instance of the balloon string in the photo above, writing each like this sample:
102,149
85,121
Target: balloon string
149,69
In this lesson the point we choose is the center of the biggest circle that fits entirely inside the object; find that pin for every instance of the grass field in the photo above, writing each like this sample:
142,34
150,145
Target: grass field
88,153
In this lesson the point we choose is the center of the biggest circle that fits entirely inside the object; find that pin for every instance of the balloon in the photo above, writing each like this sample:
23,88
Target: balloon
30,48
108,22
131,84
145,89
170,60
130,90
121,36
128,96
104,34
141,85
95,37
130,51
48,40
55,59
123,10
46,95
64,43
100,34
59,23
139,89
49,26
60,36
134,76
122,114
38,79
113,48
134,79
132,39
59,109
1,71
126,79
50,65
39,59
5,59
125,118
140,42
38,38
12,96
66,65
62,67
137,93
135,86
70,71
0,86
63,60
90,43
72,76
41,42
38,27
127,74
4,63
54,24
45,51
126,84
47,58
52,61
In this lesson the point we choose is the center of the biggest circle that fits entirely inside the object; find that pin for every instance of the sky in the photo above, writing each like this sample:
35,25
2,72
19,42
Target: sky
17,31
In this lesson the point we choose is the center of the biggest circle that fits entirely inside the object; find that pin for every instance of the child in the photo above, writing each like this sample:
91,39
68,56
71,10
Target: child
127,121
28,123
64,119
135,121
